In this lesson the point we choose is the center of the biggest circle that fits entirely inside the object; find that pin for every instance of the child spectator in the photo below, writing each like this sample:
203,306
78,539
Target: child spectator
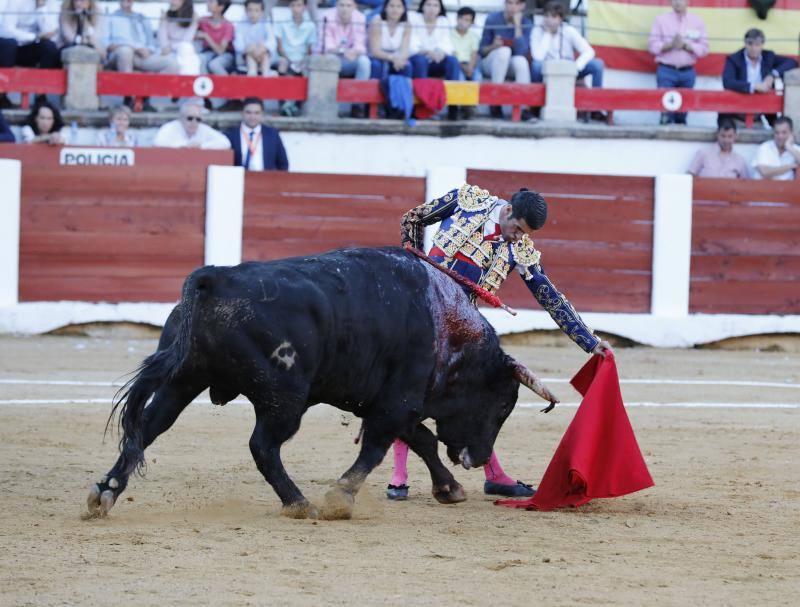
119,133
176,36
296,38
82,25
216,34
466,43
390,41
254,41
45,125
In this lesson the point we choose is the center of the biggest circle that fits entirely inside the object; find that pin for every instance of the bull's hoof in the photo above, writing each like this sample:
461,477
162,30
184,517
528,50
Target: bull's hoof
300,510
102,497
452,493
338,505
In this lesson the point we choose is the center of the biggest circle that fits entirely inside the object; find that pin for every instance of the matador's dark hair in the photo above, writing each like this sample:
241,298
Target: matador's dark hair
530,206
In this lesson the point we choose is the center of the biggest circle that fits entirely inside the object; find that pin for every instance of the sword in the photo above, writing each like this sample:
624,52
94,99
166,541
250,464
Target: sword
491,299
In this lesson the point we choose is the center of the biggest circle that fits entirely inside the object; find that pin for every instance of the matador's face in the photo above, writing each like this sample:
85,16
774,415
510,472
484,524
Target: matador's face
513,228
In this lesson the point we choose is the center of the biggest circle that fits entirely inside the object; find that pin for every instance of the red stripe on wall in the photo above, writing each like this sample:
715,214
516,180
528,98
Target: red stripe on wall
620,58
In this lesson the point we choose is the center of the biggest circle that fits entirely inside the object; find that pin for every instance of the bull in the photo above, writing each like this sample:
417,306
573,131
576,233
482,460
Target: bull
375,332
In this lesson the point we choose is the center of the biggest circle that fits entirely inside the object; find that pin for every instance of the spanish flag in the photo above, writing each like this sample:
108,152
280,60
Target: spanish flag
619,30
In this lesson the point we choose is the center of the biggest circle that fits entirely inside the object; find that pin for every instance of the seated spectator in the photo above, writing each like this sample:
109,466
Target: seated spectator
82,25
119,134
678,40
45,125
22,43
176,36
390,40
505,48
188,131
216,33
779,158
431,47
130,44
719,160
344,33
555,39
47,24
466,43
254,41
296,38
754,70
6,136
256,146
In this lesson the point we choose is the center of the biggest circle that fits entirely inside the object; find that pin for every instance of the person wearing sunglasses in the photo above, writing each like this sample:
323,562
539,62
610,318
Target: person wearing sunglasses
189,131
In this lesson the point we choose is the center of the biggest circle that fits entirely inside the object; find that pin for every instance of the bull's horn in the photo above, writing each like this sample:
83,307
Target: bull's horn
526,377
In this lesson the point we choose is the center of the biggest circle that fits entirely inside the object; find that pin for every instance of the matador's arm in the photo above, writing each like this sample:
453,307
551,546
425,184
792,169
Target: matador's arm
412,226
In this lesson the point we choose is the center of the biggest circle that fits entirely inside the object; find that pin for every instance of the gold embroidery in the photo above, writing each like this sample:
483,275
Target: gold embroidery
473,198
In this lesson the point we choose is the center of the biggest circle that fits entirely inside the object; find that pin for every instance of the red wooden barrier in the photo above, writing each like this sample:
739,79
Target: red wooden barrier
287,214
223,87
597,243
24,80
693,100
48,155
745,247
110,233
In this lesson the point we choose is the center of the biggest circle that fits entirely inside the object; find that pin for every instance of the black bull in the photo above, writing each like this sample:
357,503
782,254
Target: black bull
375,332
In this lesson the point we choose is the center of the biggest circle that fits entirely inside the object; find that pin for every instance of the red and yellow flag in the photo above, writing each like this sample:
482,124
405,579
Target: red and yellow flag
619,29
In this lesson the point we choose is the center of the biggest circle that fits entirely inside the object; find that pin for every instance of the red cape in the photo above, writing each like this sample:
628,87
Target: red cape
431,95
598,455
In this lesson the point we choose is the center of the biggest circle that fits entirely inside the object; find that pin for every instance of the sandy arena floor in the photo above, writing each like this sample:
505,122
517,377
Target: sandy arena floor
721,526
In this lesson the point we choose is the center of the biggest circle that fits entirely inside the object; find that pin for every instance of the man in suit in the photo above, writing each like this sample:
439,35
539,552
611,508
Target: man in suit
753,70
256,147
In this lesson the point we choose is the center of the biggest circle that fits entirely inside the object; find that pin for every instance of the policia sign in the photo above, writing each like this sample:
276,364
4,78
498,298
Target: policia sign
97,156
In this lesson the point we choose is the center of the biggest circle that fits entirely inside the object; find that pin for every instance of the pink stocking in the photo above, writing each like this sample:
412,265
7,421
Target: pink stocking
494,471
400,473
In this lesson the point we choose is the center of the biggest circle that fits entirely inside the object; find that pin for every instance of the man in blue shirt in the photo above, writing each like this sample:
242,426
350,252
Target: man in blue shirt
505,47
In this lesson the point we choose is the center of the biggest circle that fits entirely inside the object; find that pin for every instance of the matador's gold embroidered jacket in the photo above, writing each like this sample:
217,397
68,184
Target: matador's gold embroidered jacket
469,242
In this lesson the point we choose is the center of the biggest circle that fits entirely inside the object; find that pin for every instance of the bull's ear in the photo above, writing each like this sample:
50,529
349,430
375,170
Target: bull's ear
527,378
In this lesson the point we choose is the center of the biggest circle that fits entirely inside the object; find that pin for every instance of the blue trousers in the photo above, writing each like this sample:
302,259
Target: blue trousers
594,69
422,67
668,77
383,69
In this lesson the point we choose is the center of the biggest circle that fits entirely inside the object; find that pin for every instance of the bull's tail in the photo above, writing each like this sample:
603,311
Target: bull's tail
156,370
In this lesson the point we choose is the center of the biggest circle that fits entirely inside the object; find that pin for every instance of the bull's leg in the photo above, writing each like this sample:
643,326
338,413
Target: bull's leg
167,404
268,436
446,489
378,435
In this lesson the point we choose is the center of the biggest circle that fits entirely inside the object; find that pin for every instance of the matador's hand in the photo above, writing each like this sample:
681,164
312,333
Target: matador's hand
603,348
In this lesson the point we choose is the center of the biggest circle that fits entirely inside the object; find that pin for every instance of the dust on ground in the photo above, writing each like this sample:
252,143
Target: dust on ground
720,526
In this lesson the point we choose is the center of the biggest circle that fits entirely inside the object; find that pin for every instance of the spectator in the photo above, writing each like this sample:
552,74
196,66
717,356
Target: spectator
216,34
130,45
46,21
176,36
45,125
119,134
678,40
344,33
296,37
390,40
754,70
719,160
22,43
466,43
256,146
6,136
254,41
555,39
431,47
505,48
779,158
189,131
82,25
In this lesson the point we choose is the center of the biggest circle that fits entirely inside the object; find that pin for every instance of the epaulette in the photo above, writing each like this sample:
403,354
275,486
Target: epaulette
473,198
525,254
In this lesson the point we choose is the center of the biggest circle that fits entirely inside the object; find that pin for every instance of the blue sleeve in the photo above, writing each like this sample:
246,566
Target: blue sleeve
281,160
784,64
412,226
559,308
729,80
6,136
522,45
488,33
